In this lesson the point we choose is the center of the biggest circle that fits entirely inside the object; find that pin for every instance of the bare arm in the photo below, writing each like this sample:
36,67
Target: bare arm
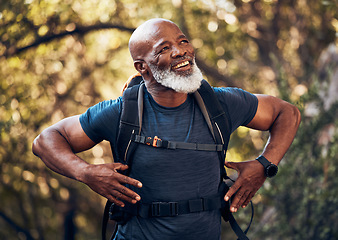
282,120
57,145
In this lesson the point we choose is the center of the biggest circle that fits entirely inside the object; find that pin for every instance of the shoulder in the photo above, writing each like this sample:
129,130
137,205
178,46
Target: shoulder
231,92
105,108
230,95
101,120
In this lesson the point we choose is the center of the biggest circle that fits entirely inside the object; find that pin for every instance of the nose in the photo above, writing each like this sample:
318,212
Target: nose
178,51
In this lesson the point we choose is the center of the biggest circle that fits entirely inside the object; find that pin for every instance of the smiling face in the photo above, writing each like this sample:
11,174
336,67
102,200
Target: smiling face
171,49
163,53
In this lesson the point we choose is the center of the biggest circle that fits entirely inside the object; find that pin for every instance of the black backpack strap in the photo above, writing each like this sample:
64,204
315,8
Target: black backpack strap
173,209
218,114
218,121
216,117
137,79
105,219
237,229
130,121
159,143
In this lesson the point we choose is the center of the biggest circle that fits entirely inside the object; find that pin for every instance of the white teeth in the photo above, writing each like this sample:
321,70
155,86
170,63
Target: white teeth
181,64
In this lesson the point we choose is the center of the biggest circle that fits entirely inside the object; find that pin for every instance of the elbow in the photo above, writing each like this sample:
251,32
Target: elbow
295,115
298,116
39,143
36,146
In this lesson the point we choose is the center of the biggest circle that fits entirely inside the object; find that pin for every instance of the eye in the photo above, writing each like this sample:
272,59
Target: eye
184,41
164,49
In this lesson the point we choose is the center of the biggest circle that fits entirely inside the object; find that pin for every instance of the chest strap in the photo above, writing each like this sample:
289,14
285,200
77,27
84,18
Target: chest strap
159,143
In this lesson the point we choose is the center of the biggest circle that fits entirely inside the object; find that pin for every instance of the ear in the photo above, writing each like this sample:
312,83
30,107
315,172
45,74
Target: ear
141,67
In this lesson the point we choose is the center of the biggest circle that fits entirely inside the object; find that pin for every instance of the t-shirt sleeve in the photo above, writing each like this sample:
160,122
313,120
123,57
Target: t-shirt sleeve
240,104
100,122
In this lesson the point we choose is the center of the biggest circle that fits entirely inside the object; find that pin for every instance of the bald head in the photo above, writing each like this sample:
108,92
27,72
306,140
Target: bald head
142,39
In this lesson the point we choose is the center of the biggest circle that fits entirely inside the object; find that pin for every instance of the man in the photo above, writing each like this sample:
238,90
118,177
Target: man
165,59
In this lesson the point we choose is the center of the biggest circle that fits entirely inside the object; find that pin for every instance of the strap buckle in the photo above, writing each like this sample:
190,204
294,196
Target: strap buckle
148,141
164,209
155,142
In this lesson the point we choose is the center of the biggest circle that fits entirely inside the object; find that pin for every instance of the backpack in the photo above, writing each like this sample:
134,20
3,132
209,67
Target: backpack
129,137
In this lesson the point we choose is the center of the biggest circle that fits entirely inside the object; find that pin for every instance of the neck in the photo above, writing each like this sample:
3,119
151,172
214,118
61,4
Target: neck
165,96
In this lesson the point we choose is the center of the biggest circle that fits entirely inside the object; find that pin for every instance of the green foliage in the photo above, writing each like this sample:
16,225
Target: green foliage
57,58
306,202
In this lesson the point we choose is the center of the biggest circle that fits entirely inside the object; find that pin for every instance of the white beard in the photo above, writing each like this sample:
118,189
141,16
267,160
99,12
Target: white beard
179,83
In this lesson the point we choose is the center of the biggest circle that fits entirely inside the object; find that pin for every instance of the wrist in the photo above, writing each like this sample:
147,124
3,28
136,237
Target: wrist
84,172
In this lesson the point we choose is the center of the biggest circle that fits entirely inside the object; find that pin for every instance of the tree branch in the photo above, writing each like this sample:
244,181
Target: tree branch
216,75
81,30
16,226
78,30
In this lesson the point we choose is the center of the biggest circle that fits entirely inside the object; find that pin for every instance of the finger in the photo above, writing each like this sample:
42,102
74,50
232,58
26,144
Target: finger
248,199
121,167
234,201
129,193
130,181
231,165
238,200
116,201
116,166
232,190
121,196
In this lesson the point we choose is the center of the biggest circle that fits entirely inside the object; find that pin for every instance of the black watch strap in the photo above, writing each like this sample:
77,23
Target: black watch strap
270,169
265,162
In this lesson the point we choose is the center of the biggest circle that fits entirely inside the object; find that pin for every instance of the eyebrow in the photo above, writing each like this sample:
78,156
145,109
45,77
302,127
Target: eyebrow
161,44
165,42
181,36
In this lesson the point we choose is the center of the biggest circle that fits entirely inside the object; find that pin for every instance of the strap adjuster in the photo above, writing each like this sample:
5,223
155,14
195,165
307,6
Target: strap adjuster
164,209
155,142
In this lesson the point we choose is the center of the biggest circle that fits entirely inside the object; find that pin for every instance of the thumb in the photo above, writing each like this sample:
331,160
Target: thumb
117,166
232,165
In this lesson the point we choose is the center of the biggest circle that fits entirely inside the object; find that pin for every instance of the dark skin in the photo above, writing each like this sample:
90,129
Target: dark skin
162,43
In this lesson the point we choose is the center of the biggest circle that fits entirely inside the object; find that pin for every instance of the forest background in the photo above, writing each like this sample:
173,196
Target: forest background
57,58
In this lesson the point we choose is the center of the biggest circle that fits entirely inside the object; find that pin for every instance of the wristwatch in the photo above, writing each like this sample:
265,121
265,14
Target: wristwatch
270,169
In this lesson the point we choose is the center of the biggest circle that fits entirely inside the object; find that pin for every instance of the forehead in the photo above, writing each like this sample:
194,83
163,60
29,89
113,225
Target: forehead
152,34
164,32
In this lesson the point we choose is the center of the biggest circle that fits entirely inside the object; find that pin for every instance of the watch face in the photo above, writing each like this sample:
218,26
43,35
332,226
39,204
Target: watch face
271,170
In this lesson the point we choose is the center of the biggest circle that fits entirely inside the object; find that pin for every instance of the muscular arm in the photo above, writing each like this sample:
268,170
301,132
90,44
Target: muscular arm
281,119
57,147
